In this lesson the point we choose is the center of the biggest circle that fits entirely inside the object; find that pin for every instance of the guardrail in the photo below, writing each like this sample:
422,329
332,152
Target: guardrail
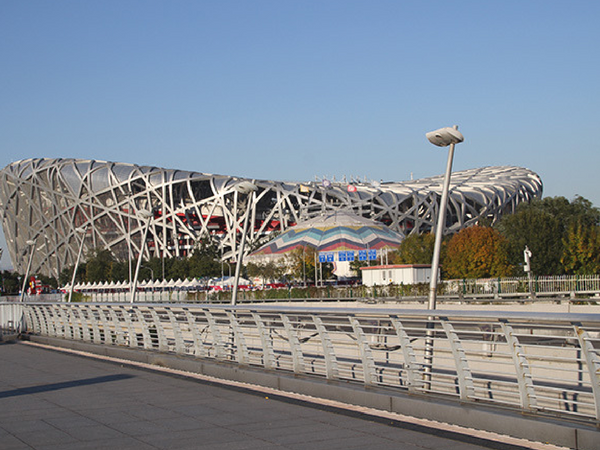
515,286
12,321
539,363
501,289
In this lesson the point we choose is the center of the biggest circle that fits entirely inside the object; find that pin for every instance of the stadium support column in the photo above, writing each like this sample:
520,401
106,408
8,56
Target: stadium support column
143,214
31,245
81,231
247,188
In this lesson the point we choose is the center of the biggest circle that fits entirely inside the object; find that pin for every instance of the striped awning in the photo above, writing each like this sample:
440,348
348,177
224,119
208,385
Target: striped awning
333,232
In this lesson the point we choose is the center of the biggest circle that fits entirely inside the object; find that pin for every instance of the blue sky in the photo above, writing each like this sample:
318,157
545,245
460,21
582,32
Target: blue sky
290,90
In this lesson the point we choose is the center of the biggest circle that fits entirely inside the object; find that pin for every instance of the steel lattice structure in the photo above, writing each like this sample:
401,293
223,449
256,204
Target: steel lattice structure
49,200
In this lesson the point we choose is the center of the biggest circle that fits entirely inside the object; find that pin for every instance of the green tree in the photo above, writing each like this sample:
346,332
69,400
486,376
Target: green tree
99,265
542,225
476,252
268,272
415,249
179,268
581,254
66,274
301,260
11,285
204,261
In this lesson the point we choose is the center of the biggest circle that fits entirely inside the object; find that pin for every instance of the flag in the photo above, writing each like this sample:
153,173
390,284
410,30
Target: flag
351,188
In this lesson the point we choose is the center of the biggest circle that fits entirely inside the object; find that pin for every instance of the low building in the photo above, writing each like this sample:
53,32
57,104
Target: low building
396,274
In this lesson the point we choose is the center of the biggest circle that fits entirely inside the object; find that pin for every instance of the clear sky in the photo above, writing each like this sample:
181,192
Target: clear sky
290,90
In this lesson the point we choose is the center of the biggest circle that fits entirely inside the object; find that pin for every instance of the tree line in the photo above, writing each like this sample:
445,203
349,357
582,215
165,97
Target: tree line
563,237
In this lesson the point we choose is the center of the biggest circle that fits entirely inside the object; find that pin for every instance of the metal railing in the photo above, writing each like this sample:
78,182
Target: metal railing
12,320
514,286
500,289
539,363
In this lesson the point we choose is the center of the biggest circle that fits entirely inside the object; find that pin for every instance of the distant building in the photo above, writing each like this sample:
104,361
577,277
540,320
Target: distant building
396,274
60,204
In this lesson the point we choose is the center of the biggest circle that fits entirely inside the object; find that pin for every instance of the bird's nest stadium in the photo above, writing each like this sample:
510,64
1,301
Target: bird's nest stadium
56,206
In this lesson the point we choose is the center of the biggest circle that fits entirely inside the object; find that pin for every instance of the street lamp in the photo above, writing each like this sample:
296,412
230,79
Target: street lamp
442,138
128,194
31,244
151,271
81,231
245,187
147,215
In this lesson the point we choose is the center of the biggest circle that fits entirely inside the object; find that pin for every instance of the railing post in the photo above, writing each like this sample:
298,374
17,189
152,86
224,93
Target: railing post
465,379
105,330
163,346
177,334
120,335
410,359
55,321
86,326
63,322
266,342
365,353
28,319
94,317
77,321
524,378
216,334
241,349
593,364
294,341
331,367
144,327
198,347
128,315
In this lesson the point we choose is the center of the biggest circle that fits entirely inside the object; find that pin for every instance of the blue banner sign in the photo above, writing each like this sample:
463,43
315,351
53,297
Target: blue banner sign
362,255
372,255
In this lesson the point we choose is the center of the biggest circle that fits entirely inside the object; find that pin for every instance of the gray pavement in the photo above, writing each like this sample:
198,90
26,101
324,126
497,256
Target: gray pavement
54,400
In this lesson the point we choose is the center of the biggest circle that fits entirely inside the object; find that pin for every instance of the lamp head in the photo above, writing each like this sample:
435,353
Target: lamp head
445,136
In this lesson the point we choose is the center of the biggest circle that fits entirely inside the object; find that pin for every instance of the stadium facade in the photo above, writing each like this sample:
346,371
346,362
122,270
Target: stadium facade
54,204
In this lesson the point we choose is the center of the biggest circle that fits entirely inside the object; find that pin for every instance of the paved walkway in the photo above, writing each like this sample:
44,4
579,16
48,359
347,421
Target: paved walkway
54,400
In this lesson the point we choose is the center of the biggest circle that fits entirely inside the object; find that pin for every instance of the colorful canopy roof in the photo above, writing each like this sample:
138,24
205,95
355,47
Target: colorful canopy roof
333,232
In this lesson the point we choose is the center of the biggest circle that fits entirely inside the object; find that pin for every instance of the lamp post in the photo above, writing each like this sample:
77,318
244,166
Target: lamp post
31,244
128,194
151,272
81,231
151,280
147,215
442,138
245,187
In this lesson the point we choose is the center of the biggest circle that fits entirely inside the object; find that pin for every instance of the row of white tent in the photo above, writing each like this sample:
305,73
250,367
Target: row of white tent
180,284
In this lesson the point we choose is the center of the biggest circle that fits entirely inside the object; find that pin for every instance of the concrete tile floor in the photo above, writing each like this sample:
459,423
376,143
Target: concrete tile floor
55,400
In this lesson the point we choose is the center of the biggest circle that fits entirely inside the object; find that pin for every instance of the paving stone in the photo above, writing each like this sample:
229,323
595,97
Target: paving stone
52,400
